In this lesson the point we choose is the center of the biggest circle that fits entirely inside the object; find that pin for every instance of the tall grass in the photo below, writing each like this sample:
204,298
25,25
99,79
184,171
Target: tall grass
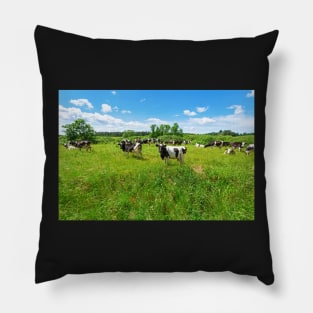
106,184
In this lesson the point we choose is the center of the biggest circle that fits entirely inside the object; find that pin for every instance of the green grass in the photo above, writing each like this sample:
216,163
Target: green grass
105,184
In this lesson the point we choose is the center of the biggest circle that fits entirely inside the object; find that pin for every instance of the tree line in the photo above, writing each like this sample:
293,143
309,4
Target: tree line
80,130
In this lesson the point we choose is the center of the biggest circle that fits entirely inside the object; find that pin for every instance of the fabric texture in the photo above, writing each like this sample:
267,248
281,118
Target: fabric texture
68,61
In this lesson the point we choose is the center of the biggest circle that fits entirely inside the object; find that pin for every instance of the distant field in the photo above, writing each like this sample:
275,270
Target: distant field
105,184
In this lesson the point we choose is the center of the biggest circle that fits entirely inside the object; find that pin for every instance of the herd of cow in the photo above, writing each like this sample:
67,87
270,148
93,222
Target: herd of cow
178,152
231,146
166,152
83,144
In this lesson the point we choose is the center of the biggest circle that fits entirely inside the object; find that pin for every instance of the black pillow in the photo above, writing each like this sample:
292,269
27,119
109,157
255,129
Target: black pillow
85,245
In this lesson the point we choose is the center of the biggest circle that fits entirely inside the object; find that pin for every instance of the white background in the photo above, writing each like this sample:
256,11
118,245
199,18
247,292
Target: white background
288,156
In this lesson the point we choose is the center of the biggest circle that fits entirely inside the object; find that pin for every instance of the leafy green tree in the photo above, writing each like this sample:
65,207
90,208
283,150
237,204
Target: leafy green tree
79,130
165,130
175,130
153,128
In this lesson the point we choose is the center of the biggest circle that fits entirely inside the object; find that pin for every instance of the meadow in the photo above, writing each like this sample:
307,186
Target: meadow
106,184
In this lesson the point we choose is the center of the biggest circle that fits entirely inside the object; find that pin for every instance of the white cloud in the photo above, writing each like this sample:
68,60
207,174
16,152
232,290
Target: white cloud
202,120
126,112
143,100
105,108
114,92
250,94
81,102
156,121
201,109
100,122
238,109
189,113
69,113
239,123
115,109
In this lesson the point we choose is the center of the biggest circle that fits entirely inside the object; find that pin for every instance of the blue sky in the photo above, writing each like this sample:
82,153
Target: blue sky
196,111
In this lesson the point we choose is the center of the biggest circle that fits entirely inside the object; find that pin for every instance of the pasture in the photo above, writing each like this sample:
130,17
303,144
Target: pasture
106,184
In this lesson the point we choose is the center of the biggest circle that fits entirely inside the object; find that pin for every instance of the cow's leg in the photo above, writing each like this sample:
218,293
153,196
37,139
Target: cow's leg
181,158
176,152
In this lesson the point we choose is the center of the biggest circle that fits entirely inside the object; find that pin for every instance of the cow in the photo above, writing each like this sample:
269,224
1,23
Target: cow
128,146
238,145
198,145
84,144
68,146
249,148
170,152
230,151
215,143
81,144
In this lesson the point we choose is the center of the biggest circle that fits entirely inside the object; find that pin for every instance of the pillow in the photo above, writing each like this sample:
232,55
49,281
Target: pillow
106,210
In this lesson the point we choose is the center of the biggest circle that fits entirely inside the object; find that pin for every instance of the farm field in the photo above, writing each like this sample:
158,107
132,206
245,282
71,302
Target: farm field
106,184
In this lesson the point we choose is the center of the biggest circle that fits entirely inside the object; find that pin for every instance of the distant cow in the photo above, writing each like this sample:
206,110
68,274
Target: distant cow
128,146
230,151
249,148
238,145
68,146
86,144
199,145
169,152
215,143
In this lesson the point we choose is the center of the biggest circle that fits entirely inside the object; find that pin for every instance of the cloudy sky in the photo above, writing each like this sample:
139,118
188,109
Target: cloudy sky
196,111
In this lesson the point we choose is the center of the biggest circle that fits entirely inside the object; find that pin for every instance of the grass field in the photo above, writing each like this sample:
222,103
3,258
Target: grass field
105,184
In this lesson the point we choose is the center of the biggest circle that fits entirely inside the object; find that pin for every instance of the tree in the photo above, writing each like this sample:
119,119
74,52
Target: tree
79,130
165,130
175,130
153,131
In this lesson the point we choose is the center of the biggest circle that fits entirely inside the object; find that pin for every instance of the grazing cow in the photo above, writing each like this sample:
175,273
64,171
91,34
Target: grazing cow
199,145
84,144
81,144
230,151
128,146
238,145
169,152
68,146
218,143
249,148
215,143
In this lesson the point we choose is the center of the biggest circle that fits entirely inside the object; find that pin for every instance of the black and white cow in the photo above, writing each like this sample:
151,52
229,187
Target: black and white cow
215,143
68,146
249,148
198,145
170,152
238,145
230,150
86,144
128,146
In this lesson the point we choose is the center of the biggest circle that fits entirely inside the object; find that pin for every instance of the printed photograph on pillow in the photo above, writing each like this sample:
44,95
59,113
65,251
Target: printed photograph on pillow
156,155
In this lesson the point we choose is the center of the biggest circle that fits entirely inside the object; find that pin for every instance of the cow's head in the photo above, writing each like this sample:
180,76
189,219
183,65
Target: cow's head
163,151
122,145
